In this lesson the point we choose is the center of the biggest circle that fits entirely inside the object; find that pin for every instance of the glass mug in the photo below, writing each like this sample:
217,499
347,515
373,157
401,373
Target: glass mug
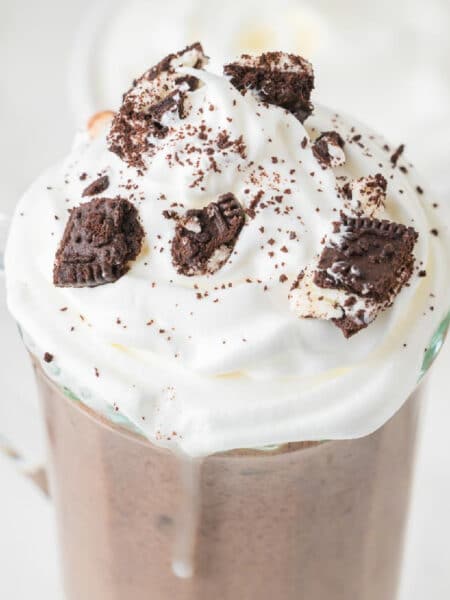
300,520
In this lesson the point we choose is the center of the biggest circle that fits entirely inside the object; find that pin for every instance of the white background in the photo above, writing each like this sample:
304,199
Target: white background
36,126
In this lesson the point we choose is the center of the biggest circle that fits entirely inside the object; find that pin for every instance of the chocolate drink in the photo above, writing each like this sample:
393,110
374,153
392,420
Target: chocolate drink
313,521
230,296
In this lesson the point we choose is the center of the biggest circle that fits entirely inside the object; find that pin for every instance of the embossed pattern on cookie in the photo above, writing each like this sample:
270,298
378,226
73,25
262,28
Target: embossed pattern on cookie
100,239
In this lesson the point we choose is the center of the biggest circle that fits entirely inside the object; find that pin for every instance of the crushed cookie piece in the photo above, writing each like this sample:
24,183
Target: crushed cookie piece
155,100
205,238
100,239
285,80
361,270
328,149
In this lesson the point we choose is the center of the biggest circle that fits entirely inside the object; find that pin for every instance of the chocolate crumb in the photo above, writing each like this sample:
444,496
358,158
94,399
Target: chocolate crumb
170,215
97,187
48,358
397,154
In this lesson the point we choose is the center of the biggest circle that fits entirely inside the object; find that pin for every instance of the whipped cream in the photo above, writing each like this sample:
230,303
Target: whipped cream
222,361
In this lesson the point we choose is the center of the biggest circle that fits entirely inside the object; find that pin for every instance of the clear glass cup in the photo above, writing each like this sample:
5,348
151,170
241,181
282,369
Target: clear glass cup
316,521
302,520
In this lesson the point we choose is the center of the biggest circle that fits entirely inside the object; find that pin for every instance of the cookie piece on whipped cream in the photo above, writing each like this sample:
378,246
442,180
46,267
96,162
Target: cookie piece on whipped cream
366,196
362,268
328,148
100,239
156,99
204,238
285,80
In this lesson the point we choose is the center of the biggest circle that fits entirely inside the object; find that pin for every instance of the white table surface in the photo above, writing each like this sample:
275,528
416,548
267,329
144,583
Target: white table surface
36,128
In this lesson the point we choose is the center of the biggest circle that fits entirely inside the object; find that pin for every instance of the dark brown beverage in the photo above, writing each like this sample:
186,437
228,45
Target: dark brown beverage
317,521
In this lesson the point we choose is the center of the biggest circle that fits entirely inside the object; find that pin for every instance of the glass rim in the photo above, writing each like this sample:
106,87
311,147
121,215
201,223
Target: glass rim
125,431
128,429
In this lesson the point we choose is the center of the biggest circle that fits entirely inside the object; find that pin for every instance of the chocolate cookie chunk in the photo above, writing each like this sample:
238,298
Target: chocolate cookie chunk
328,148
97,187
278,78
100,238
369,259
204,239
372,258
155,100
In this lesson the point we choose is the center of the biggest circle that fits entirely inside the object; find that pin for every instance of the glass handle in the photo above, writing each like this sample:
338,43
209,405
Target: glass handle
36,474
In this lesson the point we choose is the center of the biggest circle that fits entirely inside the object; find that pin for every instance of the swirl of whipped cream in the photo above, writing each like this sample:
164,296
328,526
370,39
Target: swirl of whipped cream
220,361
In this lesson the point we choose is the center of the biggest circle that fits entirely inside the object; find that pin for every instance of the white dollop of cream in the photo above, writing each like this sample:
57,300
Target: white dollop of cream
211,363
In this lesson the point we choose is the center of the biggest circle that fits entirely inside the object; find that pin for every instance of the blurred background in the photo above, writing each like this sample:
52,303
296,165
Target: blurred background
387,63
